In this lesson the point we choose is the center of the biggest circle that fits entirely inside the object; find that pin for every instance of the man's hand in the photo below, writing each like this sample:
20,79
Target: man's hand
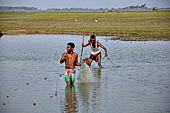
85,59
63,58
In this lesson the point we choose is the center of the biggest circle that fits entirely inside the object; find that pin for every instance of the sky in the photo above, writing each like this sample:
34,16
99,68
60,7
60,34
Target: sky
95,4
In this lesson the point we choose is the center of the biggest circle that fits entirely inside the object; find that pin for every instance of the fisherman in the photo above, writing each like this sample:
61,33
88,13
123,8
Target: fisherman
95,53
71,60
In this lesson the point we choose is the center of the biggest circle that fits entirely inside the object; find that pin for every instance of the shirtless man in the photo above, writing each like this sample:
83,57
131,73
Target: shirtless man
95,53
71,60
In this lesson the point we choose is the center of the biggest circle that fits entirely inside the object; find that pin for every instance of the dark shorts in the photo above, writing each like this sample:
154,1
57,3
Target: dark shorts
94,57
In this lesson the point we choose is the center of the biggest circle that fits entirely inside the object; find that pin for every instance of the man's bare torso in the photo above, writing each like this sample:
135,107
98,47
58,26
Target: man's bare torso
70,60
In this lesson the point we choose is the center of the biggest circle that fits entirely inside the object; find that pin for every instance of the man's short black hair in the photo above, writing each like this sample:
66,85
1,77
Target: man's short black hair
92,36
71,44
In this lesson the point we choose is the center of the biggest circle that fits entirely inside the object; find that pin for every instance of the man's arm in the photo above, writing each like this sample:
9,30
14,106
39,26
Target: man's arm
63,58
77,64
86,44
105,49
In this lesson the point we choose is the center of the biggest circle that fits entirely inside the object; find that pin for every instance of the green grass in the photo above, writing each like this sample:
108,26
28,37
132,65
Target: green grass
153,35
133,23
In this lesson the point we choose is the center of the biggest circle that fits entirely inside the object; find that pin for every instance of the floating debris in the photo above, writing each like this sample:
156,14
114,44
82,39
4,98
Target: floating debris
15,89
27,83
45,78
51,96
34,104
55,94
7,96
4,104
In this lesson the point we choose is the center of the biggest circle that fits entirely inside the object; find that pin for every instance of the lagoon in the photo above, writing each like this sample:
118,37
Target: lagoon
137,80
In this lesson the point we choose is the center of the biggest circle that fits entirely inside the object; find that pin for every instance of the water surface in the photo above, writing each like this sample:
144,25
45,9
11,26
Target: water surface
137,80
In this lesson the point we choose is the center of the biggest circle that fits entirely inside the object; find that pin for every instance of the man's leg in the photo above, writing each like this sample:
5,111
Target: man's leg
73,78
89,62
69,83
99,60
67,79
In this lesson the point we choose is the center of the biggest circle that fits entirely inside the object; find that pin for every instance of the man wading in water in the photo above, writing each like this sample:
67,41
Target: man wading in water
71,60
95,53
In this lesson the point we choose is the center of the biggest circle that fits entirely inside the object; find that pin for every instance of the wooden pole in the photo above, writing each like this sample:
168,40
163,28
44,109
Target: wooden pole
82,50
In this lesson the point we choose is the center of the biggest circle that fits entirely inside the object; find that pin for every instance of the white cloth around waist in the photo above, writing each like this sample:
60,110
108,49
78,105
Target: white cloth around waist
95,52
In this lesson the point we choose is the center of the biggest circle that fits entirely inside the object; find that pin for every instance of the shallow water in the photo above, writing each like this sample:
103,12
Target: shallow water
136,79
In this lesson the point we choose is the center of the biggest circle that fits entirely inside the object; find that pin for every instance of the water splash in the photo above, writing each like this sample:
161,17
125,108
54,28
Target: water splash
85,75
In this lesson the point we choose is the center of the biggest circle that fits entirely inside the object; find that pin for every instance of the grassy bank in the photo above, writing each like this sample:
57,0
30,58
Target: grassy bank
125,25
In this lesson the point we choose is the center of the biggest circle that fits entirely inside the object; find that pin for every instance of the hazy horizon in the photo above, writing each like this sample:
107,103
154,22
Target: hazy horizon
94,4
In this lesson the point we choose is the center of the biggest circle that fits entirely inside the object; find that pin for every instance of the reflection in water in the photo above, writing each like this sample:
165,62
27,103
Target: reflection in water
89,92
86,97
97,73
70,99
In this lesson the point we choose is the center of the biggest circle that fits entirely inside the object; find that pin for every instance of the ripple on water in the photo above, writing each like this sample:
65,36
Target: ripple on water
136,78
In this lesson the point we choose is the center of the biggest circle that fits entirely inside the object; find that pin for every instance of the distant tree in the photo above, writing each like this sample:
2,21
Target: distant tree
17,8
131,7
137,7
143,6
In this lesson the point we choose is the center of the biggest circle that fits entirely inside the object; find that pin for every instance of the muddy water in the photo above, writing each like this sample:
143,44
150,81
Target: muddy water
136,79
